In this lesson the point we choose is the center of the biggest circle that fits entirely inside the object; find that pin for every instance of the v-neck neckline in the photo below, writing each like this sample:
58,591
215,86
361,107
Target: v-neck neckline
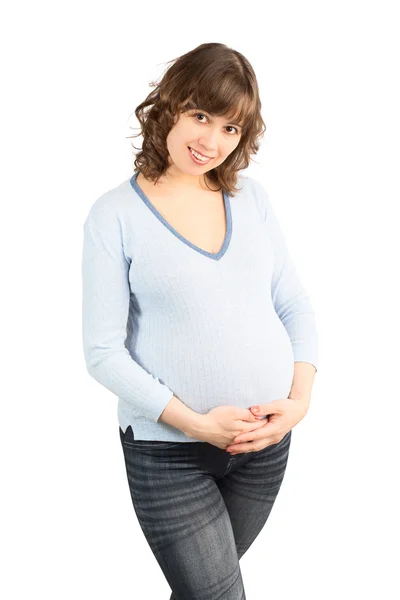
228,222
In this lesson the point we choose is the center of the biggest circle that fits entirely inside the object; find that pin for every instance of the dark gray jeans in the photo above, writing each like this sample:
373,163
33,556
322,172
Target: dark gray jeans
200,509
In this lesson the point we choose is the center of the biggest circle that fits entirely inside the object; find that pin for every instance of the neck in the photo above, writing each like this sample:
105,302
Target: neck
178,180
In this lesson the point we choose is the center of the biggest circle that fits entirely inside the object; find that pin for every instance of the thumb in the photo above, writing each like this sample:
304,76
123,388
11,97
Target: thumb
244,414
263,409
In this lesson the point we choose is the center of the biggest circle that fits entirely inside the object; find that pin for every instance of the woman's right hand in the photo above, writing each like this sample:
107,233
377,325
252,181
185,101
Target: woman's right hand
222,424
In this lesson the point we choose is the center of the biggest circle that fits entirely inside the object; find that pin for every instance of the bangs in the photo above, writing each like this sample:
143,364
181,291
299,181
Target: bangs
227,98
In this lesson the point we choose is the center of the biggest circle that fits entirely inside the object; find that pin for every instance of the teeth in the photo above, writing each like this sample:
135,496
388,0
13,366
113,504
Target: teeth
199,156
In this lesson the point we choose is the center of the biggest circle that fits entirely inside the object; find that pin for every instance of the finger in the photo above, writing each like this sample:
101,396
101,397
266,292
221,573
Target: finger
244,440
248,428
265,409
244,414
255,417
246,437
267,434
239,448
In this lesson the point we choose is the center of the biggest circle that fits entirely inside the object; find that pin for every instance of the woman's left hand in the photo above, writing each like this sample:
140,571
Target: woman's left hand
283,415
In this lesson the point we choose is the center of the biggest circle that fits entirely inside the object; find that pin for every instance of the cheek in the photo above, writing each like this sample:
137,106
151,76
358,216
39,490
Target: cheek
231,147
175,140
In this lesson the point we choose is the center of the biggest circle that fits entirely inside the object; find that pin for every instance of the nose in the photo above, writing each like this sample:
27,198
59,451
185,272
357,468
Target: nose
208,143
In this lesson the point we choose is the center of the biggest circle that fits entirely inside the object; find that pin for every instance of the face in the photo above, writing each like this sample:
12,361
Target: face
214,137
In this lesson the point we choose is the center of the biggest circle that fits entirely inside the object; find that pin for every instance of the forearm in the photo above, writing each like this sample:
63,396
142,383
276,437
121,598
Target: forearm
177,414
303,381
180,416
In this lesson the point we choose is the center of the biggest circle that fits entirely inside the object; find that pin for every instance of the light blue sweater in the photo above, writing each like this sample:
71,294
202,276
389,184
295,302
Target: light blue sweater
162,317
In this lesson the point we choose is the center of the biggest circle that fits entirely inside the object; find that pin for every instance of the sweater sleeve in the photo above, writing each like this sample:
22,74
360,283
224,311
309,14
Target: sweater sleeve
105,307
291,301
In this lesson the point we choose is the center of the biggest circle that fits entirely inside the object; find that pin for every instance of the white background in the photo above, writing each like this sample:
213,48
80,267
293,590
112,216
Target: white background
72,75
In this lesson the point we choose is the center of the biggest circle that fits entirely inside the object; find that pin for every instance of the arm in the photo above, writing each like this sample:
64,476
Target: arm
181,416
302,382
105,307
290,299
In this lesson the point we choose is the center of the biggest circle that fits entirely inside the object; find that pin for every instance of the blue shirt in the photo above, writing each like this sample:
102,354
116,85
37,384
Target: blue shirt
163,317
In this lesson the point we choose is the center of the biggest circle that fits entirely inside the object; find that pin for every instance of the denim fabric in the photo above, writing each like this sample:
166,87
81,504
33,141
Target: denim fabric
200,509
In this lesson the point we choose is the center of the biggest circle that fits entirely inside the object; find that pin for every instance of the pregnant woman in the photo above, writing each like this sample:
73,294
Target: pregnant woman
193,316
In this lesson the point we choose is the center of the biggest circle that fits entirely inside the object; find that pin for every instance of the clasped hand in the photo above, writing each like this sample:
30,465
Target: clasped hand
282,415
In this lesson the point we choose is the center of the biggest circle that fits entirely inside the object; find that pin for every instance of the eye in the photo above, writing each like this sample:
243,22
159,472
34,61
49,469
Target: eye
231,127
203,115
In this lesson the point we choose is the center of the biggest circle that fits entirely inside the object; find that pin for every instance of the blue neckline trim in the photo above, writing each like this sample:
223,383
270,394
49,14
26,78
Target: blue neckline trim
228,214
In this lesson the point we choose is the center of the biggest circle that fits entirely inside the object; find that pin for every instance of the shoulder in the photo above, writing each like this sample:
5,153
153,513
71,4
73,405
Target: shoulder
111,207
255,191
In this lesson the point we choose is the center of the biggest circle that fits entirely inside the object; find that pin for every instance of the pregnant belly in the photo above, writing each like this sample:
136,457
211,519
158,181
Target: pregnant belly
239,366
263,365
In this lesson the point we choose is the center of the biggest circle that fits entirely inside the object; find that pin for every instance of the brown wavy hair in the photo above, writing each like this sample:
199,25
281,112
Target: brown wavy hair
214,78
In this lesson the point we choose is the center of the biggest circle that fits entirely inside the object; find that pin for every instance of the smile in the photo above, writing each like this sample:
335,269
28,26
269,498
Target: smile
197,157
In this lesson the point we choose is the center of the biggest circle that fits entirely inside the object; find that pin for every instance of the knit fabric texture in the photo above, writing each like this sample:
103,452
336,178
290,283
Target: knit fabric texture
163,317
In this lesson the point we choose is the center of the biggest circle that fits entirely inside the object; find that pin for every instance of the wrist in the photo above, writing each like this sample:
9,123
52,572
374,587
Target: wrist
195,425
301,399
180,416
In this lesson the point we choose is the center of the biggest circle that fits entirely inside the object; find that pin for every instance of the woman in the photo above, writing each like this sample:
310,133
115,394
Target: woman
192,313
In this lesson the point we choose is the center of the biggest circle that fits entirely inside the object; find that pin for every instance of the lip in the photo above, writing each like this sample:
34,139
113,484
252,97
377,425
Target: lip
200,152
